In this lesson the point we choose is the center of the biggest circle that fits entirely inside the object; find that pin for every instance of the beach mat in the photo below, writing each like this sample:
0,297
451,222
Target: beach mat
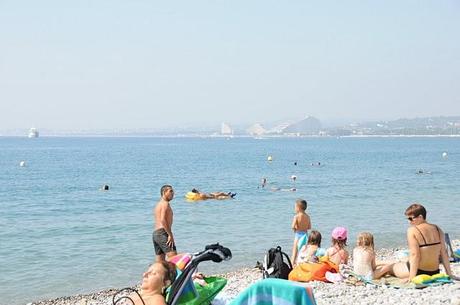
276,291
390,281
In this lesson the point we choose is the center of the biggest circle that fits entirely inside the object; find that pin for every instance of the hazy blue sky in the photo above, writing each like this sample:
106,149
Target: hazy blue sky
148,64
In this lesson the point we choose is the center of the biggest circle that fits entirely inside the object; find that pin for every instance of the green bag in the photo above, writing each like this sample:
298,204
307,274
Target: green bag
208,292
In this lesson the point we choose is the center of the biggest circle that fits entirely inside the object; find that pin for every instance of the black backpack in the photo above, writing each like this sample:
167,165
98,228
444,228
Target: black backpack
276,264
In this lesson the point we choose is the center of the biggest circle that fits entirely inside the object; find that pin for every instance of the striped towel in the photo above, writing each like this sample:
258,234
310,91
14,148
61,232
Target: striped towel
276,291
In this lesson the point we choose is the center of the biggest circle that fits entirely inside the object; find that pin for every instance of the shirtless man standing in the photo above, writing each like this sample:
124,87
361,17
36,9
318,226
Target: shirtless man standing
163,239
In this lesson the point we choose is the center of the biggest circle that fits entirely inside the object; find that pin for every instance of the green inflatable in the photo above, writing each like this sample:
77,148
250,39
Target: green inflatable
204,294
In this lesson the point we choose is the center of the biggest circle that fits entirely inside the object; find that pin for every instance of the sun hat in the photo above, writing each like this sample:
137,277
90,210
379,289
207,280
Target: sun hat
339,233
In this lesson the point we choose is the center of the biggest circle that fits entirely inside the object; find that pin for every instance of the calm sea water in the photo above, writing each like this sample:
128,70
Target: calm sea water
60,235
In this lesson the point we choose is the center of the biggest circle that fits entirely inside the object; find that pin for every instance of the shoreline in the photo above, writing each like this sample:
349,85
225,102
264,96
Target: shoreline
325,293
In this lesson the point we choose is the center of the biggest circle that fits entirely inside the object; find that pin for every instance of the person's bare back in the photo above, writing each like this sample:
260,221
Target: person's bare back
302,222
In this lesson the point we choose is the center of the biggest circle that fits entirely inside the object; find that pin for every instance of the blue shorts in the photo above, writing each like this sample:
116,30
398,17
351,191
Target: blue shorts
300,234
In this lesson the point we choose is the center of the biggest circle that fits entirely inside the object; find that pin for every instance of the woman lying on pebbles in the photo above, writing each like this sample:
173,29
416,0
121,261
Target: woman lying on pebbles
155,280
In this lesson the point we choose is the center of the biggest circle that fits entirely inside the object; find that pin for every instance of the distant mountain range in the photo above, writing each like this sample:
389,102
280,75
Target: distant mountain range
311,126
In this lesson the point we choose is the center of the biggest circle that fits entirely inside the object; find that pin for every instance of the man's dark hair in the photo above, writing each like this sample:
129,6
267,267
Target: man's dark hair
164,188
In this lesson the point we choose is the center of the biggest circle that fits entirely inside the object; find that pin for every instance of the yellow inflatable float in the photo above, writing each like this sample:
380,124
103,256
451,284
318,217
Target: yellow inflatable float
195,196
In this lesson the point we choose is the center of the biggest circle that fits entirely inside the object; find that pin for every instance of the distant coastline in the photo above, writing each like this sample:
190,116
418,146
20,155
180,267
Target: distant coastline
229,137
306,127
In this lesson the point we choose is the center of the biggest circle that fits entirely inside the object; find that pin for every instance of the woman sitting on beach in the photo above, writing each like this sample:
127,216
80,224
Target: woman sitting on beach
155,280
426,246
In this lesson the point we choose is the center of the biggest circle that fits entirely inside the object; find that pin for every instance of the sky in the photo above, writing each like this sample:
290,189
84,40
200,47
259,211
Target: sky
160,64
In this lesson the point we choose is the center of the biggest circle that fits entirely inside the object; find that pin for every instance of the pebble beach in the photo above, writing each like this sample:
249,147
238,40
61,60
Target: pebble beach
325,293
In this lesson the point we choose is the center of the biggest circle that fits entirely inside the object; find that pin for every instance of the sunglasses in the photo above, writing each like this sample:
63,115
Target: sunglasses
412,218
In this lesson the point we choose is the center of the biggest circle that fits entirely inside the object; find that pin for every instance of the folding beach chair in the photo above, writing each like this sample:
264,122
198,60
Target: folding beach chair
453,256
215,253
184,283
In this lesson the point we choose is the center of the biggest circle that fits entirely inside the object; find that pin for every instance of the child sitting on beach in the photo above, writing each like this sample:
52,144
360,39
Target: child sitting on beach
364,258
337,254
300,225
307,253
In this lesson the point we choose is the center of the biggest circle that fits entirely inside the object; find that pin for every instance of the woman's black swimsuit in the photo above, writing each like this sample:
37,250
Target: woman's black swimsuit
420,271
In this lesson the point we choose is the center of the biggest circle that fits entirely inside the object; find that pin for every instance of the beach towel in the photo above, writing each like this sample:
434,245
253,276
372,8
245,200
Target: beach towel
181,260
276,291
302,241
354,279
395,282
305,272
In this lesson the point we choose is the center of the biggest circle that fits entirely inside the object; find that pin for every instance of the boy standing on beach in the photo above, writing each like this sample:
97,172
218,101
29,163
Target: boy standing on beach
163,239
300,225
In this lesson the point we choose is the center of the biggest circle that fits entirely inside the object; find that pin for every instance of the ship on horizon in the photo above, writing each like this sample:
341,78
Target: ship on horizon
33,133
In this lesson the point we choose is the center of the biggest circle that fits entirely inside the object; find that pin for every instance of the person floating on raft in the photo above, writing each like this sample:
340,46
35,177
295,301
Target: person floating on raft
197,195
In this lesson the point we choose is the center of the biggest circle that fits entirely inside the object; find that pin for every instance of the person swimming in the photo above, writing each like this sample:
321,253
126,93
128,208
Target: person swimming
423,172
264,182
214,195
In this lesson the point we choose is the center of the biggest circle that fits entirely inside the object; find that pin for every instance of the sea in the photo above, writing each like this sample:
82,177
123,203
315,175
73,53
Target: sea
61,235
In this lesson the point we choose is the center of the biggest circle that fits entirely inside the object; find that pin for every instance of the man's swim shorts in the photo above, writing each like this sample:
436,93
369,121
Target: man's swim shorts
160,239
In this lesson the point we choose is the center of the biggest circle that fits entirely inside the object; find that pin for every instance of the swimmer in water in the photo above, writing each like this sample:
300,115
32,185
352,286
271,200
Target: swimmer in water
214,195
264,182
422,172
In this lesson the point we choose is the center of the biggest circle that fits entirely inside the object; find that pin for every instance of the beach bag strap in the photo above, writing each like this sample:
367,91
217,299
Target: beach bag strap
287,258
128,289
268,265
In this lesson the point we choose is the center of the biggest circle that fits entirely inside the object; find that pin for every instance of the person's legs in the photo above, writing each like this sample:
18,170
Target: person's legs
294,251
159,241
382,270
400,270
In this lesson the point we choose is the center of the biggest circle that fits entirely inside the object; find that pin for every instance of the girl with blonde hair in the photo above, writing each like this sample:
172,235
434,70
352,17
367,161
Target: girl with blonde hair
364,258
